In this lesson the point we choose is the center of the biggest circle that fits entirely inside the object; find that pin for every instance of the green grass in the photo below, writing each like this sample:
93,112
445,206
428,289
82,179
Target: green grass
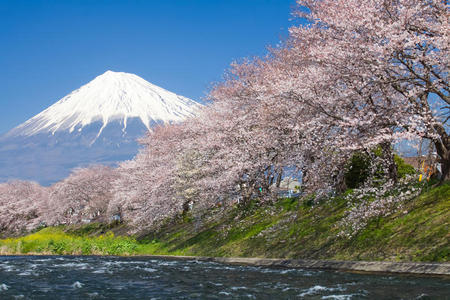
81,241
56,241
290,228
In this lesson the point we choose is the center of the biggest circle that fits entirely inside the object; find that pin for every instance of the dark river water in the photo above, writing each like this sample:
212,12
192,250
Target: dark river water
61,277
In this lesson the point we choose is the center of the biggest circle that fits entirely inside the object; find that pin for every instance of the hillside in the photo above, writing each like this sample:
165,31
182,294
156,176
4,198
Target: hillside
289,228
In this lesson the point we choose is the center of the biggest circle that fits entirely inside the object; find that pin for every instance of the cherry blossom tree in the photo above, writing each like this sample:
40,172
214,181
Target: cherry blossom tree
361,75
379,67
83,196
144,192
23,206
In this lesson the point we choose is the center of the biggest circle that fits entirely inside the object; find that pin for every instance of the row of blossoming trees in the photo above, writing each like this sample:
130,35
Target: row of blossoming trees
361,74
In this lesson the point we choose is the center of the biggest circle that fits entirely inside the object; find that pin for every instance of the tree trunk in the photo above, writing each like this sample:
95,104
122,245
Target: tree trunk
388,157
185,207
280,175
443,151
445,167
339,182
247,189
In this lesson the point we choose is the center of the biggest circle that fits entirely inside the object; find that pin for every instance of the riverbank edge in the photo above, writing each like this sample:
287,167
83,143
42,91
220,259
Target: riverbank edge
373,267
369,267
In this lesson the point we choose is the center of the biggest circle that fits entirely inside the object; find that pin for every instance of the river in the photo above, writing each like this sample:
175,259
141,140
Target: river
88,277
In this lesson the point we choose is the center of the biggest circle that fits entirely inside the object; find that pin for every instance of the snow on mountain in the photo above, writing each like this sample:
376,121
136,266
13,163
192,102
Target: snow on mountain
97,123
110,97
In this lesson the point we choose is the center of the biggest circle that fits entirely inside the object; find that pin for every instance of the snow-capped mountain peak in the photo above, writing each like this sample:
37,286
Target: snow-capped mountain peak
99,123
112,96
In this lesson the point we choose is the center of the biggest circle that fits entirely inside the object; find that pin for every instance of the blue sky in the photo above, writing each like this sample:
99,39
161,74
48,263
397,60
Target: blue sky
49,48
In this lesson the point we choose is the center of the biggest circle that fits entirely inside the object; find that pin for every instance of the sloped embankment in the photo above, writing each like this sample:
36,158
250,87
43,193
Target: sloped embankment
417,232
289,228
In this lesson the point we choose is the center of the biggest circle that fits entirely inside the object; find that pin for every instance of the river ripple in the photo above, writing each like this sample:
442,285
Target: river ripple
87,277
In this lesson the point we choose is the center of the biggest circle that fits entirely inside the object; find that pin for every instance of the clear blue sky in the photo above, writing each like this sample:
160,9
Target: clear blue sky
49,48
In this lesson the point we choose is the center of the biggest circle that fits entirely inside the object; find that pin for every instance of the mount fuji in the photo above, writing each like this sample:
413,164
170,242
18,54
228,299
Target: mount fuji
97,123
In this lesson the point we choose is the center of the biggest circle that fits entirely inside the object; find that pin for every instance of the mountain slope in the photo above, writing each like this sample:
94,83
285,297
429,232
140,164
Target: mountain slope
97,123
109,97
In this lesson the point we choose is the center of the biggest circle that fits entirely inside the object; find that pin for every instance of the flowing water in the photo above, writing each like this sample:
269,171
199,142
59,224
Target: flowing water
77,277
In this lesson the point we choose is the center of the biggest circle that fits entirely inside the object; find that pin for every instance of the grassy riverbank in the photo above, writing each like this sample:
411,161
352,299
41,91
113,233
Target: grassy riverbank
286,229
